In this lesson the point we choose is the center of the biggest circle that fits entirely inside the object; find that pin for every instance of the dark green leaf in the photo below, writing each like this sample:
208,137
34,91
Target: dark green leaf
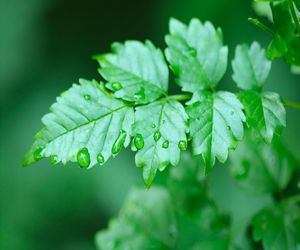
162,125
196,54
83,123
216,125
137,72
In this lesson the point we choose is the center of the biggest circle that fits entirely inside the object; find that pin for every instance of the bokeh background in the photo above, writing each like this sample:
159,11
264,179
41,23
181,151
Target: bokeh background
45,46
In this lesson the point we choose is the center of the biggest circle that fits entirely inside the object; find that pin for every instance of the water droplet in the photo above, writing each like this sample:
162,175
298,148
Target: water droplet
165,144
119,142
232,113
140,94
228,127
100,158
139,141
116,86
54,159
163,121
87,97
156,135
182,145
37,155
153,125
83,158
191,52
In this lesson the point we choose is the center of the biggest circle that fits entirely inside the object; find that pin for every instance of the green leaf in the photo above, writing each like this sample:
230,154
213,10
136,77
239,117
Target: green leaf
137,72
84,123
250,66
216,125
278,227
265,113
277,48
146,221
297,3
196,54
162,126
261,168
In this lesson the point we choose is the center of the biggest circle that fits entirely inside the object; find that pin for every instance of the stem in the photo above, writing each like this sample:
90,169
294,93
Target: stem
261,25
292,105
294,15
180,97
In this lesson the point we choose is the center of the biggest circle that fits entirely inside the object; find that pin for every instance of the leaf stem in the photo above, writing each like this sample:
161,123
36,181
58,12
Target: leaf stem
261,25
294,15
180,97
292,105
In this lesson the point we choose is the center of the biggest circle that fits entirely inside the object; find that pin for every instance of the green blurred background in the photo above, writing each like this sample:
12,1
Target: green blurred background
45,46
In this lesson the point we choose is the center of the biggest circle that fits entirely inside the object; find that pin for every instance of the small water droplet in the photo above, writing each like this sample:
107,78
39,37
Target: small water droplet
182,145
191,52
163,121
119,142
54,159
87,97
83,158
100,158
156,135
232,113
116,86
165,144
153,125
37,155
228,127
139,141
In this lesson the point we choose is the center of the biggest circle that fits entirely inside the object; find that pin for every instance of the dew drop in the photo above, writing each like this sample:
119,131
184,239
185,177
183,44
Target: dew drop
182,145
100,158
191,52
156,135
87,97
153,125
54,159
228,127
139,141
165,144
83,158
116,86
119,142
37,155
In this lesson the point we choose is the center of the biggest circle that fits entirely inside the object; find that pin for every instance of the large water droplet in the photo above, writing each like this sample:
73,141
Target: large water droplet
191,51
165,144
37,155
54,159
119,142
139,141
156,135
87,97
83,158
100,158
182,145
116,86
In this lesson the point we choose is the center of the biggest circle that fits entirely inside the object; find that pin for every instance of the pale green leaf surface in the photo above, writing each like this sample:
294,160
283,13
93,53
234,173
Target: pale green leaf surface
146,221
196,54
169,118
261,168
250,66
265,113
84,116
139,68
216,125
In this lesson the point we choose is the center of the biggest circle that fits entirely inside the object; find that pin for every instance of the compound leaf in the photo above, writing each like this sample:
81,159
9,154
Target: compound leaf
162,126
196,54
146,221
85,125
265,113
250,66
137,72
216,125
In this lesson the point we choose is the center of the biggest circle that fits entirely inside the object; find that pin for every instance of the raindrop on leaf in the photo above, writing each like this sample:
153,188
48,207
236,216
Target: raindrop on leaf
87,97
139,141
83,158
54,159
100,158
182,145
116,86
165,144
156,135
119,142
37,155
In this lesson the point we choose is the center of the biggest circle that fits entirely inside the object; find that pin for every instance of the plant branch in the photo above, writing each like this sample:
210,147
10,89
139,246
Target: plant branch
294,15
261,25
292,105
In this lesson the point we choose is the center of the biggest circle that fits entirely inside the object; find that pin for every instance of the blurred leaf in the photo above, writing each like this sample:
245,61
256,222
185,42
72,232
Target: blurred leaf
295,70
250,67
196,54
265,113
277,48
146,221
137,72
162,126
278,227
261,168
216,125
85,125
